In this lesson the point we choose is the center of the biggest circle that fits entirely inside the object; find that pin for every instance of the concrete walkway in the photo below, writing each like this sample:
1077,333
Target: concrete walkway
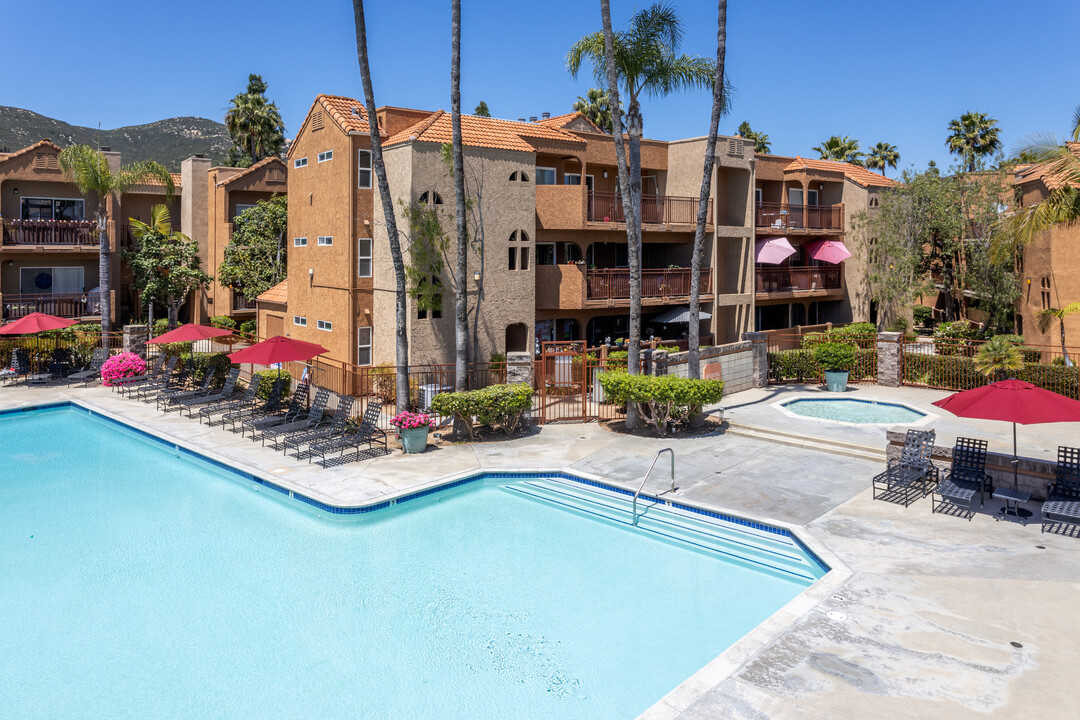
926,617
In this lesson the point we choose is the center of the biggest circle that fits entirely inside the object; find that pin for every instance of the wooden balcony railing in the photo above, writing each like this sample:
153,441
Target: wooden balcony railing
615,284
239,302
50,232
655,209
794,279
782,216
65,305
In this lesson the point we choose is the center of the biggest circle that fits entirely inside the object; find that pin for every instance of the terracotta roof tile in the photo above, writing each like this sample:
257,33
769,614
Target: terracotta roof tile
483,132
30,148
277,294
254,168
858,175
1043,172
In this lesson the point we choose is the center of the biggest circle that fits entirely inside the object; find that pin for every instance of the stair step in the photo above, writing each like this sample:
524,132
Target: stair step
837,447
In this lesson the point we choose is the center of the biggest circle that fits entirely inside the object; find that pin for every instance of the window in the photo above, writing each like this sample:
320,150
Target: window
524,259
545,253
363,346
512,257
299,242
524,176
519,235
433,197
363,257
39,280
52,209
571,178
324,325
436,301
545,176
241,208
326,155
757,196
1045,286
299,321
299,163
325,241
515,176
363,169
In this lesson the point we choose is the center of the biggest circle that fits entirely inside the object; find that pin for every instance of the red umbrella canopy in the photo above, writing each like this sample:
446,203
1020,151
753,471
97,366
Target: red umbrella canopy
277,350
35,323
189,333
1012,401
830,251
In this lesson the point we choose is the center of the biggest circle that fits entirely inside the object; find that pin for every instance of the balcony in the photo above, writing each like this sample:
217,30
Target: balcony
807,218
50,233
572,287
242,304
65,305
606,207
791,282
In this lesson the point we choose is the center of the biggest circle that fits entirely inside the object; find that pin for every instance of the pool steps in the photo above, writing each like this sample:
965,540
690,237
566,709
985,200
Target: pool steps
836,447
760,549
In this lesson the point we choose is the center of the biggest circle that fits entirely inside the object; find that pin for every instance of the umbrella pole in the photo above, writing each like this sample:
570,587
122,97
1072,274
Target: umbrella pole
1015,462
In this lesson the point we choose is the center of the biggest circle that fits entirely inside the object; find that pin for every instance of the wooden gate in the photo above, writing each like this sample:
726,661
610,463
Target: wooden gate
561,383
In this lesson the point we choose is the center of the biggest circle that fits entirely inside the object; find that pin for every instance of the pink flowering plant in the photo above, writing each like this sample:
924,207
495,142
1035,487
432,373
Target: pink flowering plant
124,365
411,421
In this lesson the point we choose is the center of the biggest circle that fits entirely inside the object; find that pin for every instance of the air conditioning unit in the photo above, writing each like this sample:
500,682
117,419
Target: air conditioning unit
427,392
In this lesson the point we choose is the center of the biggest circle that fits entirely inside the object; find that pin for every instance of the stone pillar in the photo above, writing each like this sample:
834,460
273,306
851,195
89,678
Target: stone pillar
647,361
659,362
889,370
135,337
519,368
760,348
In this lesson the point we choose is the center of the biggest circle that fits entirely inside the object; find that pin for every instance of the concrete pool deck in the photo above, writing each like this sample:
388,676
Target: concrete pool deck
928,611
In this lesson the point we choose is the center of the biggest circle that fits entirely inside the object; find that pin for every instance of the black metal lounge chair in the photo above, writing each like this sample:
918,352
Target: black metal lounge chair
24,369
967,477
93,372
250,397
296,410
367,433
271,405
20,367
316,417
910,473
148,392
1062,504
192,401
168,395
337,426
163,368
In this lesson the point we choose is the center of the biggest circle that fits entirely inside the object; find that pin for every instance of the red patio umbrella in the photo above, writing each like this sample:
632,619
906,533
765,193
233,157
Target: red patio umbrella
1012,401
189,333
830,251
277,350
35,323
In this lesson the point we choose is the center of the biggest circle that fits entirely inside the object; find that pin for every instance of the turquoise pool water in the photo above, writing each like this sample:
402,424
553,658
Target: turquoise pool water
854,411
136,582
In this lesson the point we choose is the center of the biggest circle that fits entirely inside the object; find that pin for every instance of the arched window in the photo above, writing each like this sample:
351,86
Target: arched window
514,176
523,236
433,197
513,236
524,176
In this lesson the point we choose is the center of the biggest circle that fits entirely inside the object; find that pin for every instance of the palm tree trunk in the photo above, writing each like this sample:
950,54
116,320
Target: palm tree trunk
633,419
104,269
1064,350
694,331
402,344
461,296
633,231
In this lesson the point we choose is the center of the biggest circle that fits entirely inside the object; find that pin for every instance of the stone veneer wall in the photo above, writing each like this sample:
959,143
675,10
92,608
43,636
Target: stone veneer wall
736,364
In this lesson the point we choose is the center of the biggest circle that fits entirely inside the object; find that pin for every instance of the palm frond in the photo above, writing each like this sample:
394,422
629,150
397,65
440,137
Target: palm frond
1076,124
88,169
139,173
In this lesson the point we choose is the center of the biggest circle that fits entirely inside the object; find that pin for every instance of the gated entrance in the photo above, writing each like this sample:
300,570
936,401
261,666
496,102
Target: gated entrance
567,386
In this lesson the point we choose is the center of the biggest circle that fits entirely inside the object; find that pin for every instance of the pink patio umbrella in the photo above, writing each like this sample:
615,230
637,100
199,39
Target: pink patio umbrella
830,251
773,251
35,323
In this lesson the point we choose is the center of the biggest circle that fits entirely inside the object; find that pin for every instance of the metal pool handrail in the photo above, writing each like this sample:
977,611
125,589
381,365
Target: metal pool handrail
634,514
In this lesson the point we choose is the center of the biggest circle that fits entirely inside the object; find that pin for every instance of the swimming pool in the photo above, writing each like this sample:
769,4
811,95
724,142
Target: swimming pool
139,581
856,412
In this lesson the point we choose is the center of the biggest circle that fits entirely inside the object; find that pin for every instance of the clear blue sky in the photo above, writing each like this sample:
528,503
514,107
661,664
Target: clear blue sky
878,71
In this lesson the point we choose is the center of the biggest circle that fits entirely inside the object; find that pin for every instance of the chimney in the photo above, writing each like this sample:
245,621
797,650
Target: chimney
199,155
521,119
105,148
546,116
532,118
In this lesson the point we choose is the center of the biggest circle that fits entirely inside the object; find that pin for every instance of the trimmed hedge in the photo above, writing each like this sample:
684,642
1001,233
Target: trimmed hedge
496,406
799,366
223,321
268,378
952,372
662,399
217,363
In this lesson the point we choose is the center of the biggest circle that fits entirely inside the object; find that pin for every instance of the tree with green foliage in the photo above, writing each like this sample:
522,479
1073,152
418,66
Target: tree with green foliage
256,256
597,107
254,124
998,358
1047,316
973,136
89,170
428,245
760,140
482,110
843,149
881,156
164,263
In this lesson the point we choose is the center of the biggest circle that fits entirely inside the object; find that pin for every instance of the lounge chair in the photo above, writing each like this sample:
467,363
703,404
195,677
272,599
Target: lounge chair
1062,504
271,405
168,395
967,477
192,401
93,372
296,410
315,418
367,433
163,368
336,427
19,367
148,391
250,397
911,472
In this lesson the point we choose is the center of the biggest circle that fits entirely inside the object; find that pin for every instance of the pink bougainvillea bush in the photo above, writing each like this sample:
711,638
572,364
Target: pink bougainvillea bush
124,365
411,421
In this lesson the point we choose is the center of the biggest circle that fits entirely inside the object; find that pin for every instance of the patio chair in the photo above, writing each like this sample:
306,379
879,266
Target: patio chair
193,401
911,472
967,477
93,372
336,427
61,363
168,395
19,367
163,367
1062,504
148,391
296,410
315,418
268,407
367,433
249,397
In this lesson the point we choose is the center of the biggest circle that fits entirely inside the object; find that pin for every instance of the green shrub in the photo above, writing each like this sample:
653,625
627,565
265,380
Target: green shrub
899,325
497,357
662,399
954,338
834,356
223,321
859,328
384,384
267,383
250,327
797,365
217,363
923,315
496,406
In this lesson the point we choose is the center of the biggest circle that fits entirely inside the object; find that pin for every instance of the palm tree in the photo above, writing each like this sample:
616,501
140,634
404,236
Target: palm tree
596,107
402,337
89,170
1045,317
881,156
644,61
718,108
761,140
971,136
254,124
461,294
998,358
844,149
